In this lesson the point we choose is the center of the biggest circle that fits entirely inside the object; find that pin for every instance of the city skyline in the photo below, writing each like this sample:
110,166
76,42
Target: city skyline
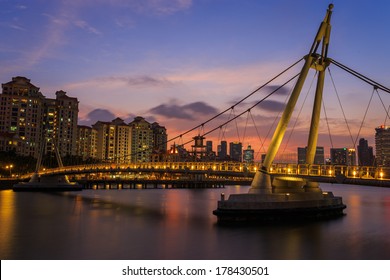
59,117
181,62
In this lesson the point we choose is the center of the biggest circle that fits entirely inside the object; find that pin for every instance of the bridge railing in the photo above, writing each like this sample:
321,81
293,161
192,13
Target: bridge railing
361,172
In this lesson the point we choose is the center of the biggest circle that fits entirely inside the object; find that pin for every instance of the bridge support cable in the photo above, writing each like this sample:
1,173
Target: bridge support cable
360,76
383,104
341,106
235,122
327,124
239,115
246,125
240,101
364,118
224,127
375,89
201,126
262,141
253,106
387,115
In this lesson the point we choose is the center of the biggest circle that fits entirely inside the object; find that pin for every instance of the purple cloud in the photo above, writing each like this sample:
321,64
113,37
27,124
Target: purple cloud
188,111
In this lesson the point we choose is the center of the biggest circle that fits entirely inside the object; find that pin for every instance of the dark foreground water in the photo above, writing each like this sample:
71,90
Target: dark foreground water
178,224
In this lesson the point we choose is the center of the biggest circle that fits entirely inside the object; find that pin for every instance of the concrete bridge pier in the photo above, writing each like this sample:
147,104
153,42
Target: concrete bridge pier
261,183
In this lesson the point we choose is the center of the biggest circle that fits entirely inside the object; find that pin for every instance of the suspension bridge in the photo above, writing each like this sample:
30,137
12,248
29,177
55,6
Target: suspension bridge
210,174
260,175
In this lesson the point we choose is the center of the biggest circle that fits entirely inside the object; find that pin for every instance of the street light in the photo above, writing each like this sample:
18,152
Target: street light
10,169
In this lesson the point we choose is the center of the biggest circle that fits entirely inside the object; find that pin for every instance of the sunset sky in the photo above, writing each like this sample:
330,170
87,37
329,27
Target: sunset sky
180,62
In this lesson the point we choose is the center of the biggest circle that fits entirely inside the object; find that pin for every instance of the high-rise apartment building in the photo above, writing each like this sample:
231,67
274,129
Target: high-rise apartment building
37,123
122,150
119,142
382,145
142,140
113,142
86,144
160,138
67,109
22,117
105,139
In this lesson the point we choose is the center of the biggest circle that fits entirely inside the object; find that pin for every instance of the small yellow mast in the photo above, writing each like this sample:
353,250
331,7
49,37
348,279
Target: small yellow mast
262,180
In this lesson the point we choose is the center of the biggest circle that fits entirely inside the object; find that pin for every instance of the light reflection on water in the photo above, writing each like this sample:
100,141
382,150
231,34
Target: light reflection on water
178,224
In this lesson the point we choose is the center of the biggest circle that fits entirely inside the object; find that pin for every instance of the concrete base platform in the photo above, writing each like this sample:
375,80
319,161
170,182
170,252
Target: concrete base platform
253,208
285,202
264,216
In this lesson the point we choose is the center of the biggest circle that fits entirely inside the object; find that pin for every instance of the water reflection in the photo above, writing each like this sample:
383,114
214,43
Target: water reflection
178,224
7,218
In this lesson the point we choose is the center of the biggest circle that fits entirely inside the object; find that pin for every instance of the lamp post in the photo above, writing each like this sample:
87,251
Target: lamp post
10,169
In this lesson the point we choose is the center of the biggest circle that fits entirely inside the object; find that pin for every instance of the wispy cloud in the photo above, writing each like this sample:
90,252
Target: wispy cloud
149,7
122,82
85,26
21,7
125,22
153,7
167,7
271,106
17,27
139,81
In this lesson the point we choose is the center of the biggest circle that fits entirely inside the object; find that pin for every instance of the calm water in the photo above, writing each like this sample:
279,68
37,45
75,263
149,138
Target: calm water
178,224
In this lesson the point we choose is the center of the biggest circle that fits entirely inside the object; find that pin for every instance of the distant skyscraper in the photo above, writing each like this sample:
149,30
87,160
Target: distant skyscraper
382,145
351,157
339,156
249,155
222,151
301,155
209,147
235,151
365,153
210,154
319,157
